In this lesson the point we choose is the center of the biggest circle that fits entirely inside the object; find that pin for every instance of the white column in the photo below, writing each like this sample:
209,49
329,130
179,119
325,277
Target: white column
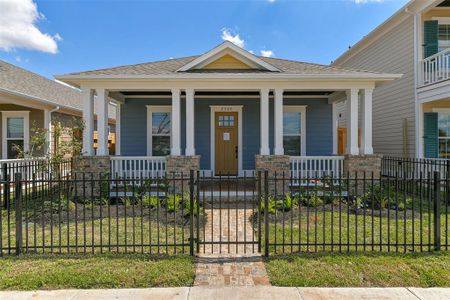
88,121
102,122
278,133
264,116
190,133
335,128
48,129
118,109
366,126
175,121
352,122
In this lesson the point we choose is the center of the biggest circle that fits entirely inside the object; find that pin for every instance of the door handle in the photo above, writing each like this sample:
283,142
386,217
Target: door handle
236,151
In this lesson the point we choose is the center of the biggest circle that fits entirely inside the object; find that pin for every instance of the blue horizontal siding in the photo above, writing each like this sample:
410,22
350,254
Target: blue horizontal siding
133,125
319,137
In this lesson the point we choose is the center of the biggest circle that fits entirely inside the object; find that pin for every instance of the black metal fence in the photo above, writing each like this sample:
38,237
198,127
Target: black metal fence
356,213
412,167
188,213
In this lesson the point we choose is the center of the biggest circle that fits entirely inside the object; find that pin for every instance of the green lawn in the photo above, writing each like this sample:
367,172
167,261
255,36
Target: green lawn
106,271
92,229
360,270
352,231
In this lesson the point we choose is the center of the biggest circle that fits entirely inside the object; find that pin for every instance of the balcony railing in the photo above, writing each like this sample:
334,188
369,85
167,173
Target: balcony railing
436,68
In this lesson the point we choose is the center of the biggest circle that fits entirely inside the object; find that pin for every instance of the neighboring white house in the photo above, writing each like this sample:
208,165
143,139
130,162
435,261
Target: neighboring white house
227,106
411,116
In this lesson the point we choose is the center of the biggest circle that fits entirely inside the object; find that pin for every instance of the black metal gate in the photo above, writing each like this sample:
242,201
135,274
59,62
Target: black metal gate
232,214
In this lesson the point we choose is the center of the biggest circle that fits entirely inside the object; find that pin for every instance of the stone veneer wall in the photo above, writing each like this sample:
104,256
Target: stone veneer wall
179,165
95,167
363,165
274,164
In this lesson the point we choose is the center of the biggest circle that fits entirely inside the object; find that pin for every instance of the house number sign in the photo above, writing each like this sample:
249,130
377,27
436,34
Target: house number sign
226,108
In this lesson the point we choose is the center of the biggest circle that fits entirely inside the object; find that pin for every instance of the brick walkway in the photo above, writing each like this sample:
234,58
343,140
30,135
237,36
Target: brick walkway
229,265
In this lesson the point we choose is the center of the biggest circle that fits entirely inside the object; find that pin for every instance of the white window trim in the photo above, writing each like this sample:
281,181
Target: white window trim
150,110
226,108
302,110
442,20
26,131
445,111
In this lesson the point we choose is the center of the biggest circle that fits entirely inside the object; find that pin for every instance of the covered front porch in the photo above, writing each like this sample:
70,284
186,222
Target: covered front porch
228,129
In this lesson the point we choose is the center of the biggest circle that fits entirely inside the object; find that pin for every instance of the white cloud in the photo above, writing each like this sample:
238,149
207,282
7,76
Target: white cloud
227,35
267,53
18,27
365,1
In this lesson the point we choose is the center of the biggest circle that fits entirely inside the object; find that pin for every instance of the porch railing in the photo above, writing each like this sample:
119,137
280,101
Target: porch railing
436,68
137,167
37,167
305,167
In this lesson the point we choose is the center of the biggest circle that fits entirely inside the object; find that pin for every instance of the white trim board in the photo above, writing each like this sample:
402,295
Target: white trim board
150,110
231,49
227,108
25,114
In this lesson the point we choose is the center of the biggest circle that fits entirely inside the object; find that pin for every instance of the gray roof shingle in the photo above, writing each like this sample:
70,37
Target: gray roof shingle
18,80
21,81
167,67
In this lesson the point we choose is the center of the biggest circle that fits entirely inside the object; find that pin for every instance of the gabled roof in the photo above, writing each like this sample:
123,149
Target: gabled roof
228,48
20,81
170,67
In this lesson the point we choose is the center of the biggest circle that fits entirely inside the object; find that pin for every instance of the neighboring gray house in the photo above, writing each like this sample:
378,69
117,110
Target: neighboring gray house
28,99
224,107
411,115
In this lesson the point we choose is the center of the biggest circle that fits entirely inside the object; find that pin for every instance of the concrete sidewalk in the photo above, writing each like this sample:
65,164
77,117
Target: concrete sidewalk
228,293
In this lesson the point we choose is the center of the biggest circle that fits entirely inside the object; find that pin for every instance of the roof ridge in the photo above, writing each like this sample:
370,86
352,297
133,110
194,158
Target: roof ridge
138,64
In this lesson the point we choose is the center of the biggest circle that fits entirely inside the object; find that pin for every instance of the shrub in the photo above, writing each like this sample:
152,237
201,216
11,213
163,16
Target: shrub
150,201
198,210
173,203
312,200
271,207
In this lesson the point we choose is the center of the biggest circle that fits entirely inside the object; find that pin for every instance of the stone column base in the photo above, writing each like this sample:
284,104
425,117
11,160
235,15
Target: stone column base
363,165
91,169
177,167
275,165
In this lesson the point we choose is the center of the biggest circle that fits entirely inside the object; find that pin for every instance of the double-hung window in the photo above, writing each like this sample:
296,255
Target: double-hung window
15,133
294,123
158,130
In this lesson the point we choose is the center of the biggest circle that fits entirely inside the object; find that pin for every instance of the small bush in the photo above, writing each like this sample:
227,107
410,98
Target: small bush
198,210
312,200
150,201
173,203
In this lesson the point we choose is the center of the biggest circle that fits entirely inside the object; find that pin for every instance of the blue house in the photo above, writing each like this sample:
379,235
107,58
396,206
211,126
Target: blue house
221,110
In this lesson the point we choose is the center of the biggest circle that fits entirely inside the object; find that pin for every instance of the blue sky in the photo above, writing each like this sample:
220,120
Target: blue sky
65,36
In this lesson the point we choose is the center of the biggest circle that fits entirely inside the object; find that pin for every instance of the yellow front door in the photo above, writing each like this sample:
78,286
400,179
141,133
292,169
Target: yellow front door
226,143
